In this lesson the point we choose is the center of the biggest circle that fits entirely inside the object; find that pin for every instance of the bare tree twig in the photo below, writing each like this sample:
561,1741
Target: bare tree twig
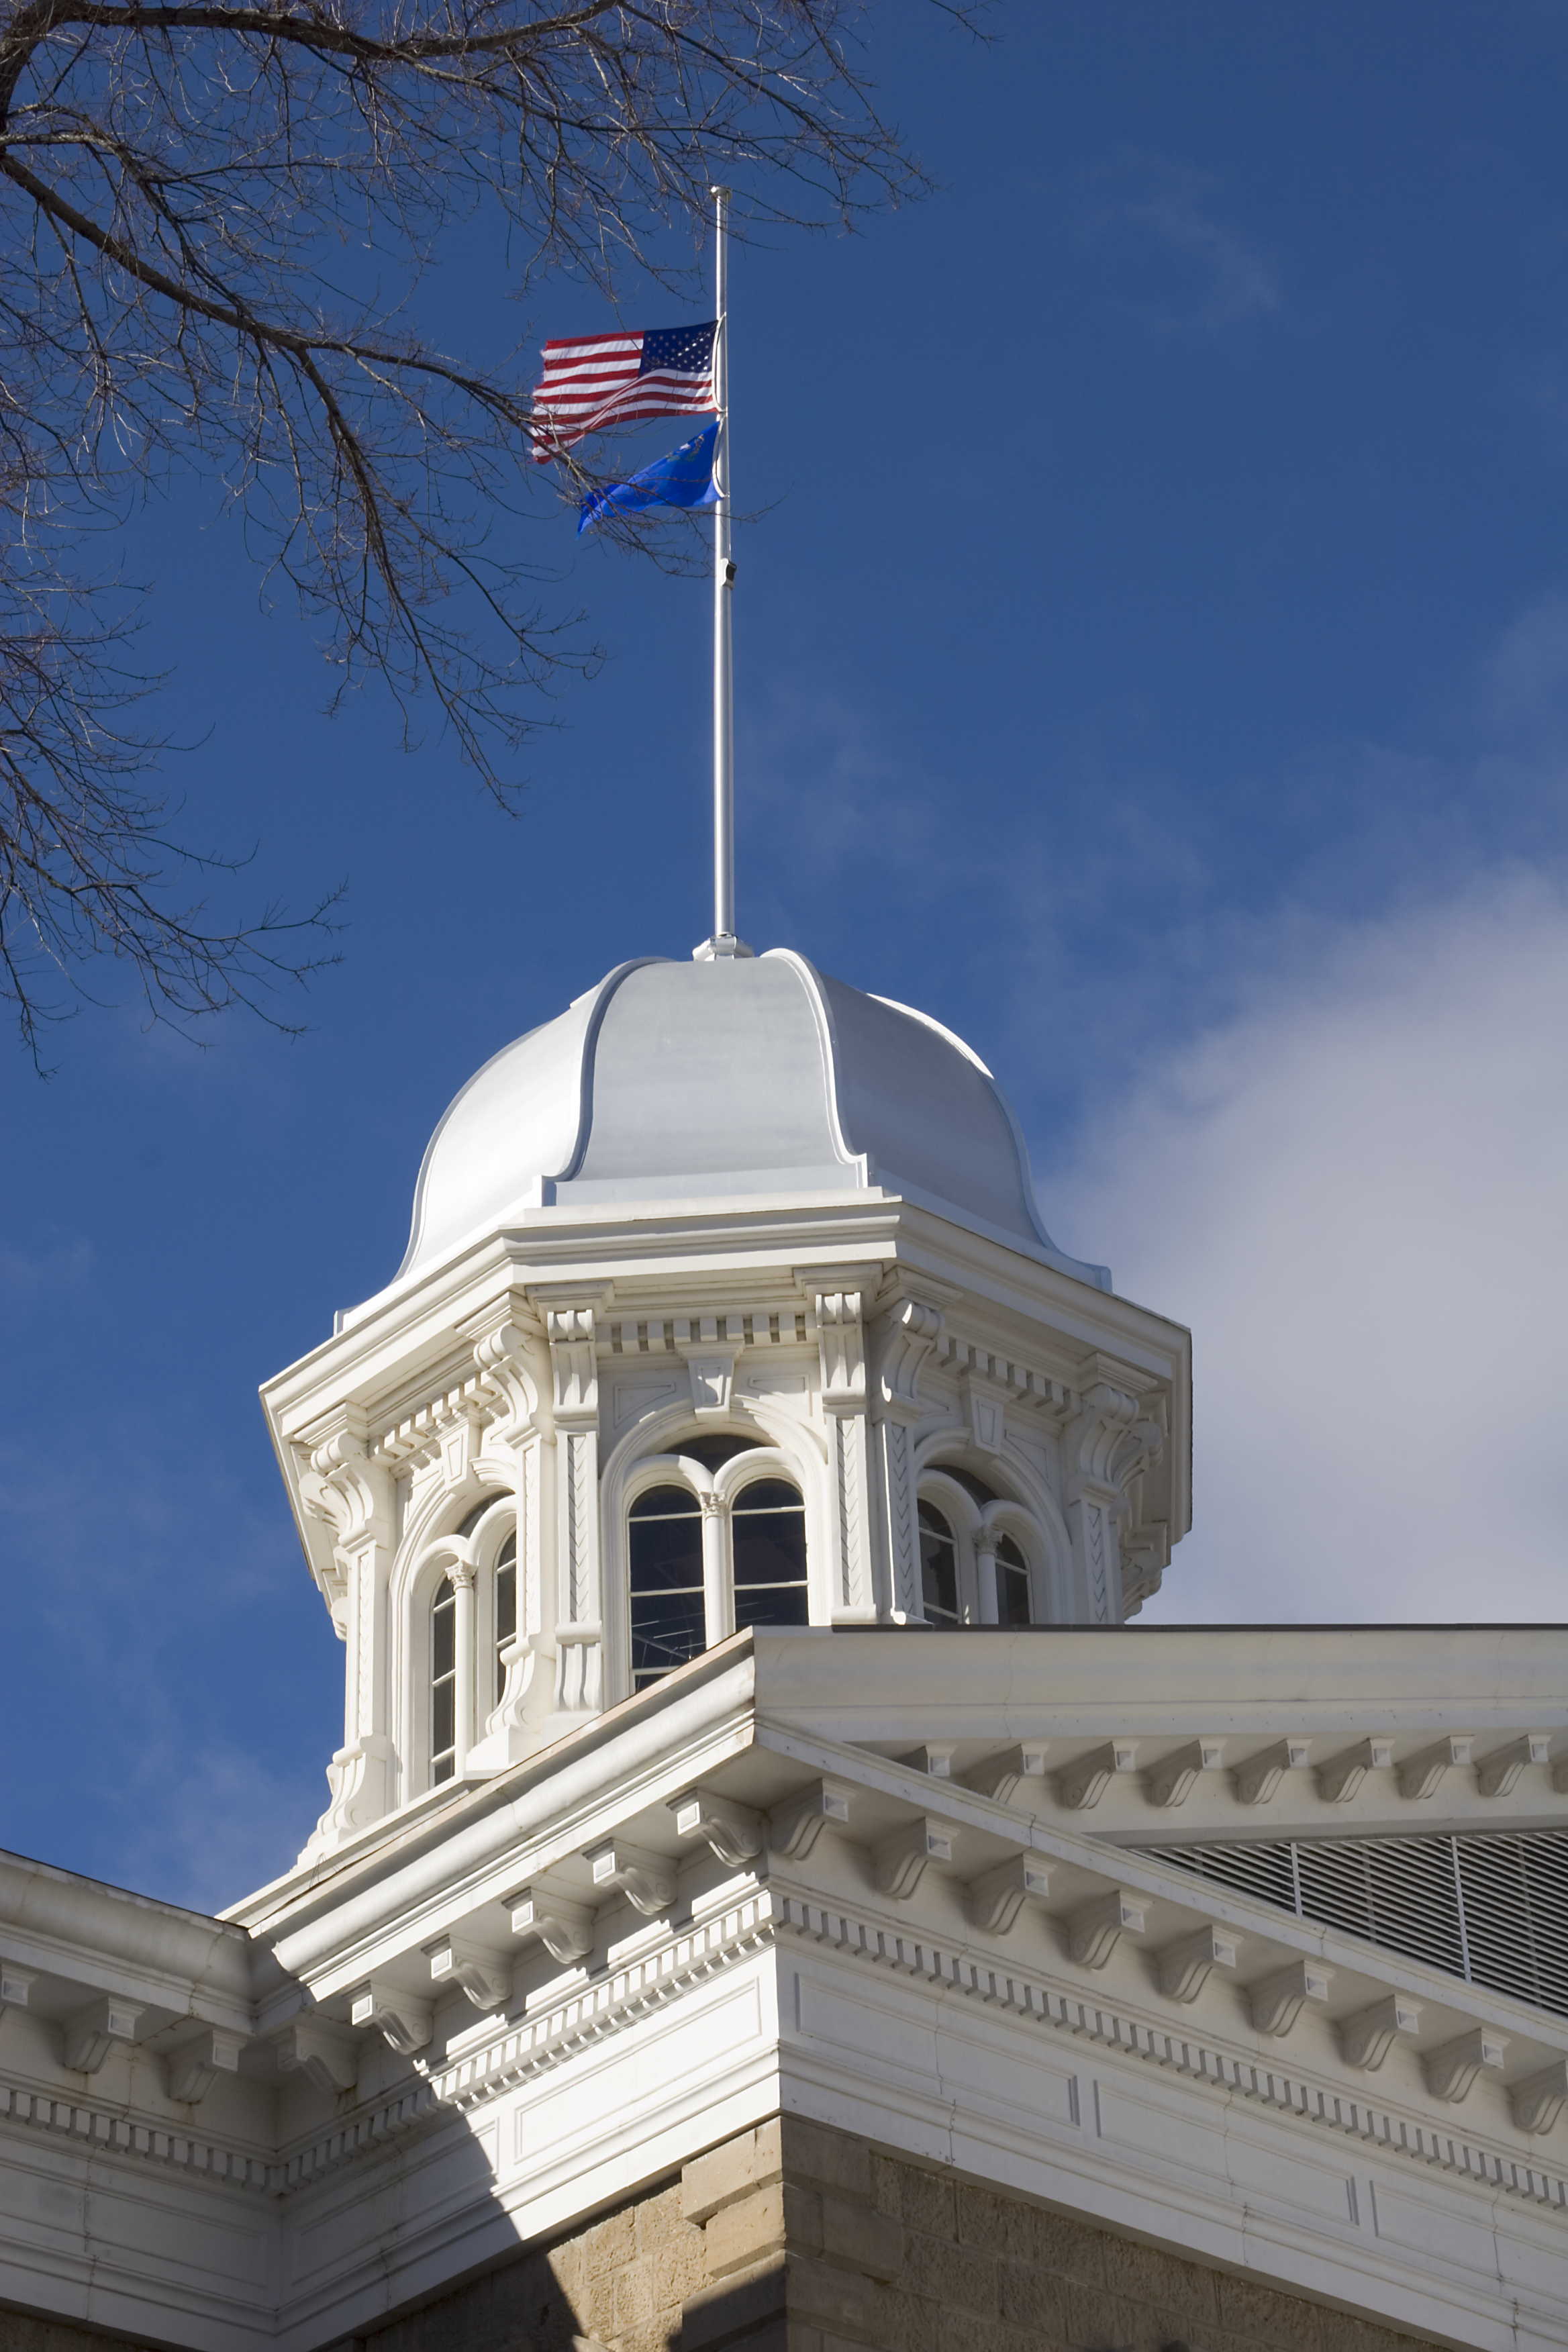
198,205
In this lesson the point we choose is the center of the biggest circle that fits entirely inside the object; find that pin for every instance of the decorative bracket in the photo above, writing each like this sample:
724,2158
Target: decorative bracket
898,1863
1451,2070
1277,2000
1257,1780
1419,1776
1094,1932
320,2055
795,1827
1497,1773
486,1980
1182,1969
1083,1783
573,1366
1342,1775
1367,2038
1001,1777
1106,1443
92,2032
1537,2101
841,1349
994,1899
647,1880
934,1760
355,1494
196,2065
400,2017
912,1331
733,1832
1171,1782
501,1356
564,1928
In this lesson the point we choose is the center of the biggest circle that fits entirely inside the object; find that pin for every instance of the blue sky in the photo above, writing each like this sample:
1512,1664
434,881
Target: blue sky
1152,660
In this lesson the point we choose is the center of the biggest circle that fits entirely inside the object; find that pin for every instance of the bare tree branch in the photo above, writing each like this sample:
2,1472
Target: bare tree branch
201,207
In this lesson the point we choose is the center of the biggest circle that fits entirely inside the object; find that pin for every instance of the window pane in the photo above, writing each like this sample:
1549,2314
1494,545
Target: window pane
968,1481
666,1555
666,1503
769,1495
443,1632
668,1622
668,1628
939,1566
443,1721
770,1549
506,1612
771,1604
1012,1584
712,1451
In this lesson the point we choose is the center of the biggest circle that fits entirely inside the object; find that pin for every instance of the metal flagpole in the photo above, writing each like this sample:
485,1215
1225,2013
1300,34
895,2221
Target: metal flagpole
724,941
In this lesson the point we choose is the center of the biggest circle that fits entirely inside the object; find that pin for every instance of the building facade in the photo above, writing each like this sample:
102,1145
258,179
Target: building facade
769,1892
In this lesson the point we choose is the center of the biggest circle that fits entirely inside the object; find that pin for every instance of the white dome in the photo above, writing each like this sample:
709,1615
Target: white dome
675,1082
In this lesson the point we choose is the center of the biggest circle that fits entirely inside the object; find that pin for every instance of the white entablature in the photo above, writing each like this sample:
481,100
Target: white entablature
722,1231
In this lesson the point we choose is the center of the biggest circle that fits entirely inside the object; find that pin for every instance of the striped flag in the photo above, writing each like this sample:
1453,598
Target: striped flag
595,381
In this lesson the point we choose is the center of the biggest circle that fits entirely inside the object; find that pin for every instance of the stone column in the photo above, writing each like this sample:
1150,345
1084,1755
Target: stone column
985,1542
718,1597
461,1573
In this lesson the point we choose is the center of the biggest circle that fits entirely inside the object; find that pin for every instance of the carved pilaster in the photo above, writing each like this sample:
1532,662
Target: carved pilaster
1106,1447
841,1343
530,1656
570,1329
907,1337
352,1494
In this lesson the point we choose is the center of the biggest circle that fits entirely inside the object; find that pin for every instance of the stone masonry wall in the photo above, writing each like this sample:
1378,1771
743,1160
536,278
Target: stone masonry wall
793,2239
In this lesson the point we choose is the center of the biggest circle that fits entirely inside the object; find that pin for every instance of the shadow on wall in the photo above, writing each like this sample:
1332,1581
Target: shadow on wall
792,2238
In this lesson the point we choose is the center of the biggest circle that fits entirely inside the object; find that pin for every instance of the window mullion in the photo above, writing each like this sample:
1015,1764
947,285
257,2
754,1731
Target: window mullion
718,1582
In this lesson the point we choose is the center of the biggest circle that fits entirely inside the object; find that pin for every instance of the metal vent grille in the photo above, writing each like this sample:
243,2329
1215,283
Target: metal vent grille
1492,1910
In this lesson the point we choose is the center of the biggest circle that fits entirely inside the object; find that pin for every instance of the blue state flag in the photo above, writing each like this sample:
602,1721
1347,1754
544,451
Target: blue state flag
684,478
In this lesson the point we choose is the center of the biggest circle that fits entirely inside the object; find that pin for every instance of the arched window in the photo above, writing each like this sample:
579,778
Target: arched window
939,1567
506,1607
1011,1585
473,1621
687,1593
668,1620
444,1682
767,1537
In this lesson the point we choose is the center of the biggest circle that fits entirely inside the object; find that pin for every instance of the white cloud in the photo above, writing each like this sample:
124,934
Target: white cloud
1176,265
1356,1193
212,1825
1230,280
61,1267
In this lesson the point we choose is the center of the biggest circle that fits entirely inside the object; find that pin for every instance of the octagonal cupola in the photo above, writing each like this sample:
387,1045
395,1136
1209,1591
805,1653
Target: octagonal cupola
727,1302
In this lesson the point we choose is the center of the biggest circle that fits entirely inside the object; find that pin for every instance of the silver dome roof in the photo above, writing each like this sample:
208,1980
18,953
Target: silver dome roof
677,1082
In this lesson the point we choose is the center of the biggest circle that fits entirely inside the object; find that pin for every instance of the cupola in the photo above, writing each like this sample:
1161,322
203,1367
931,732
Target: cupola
727,1302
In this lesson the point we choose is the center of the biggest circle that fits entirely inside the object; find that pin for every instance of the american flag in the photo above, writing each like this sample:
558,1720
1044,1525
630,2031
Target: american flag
600,379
